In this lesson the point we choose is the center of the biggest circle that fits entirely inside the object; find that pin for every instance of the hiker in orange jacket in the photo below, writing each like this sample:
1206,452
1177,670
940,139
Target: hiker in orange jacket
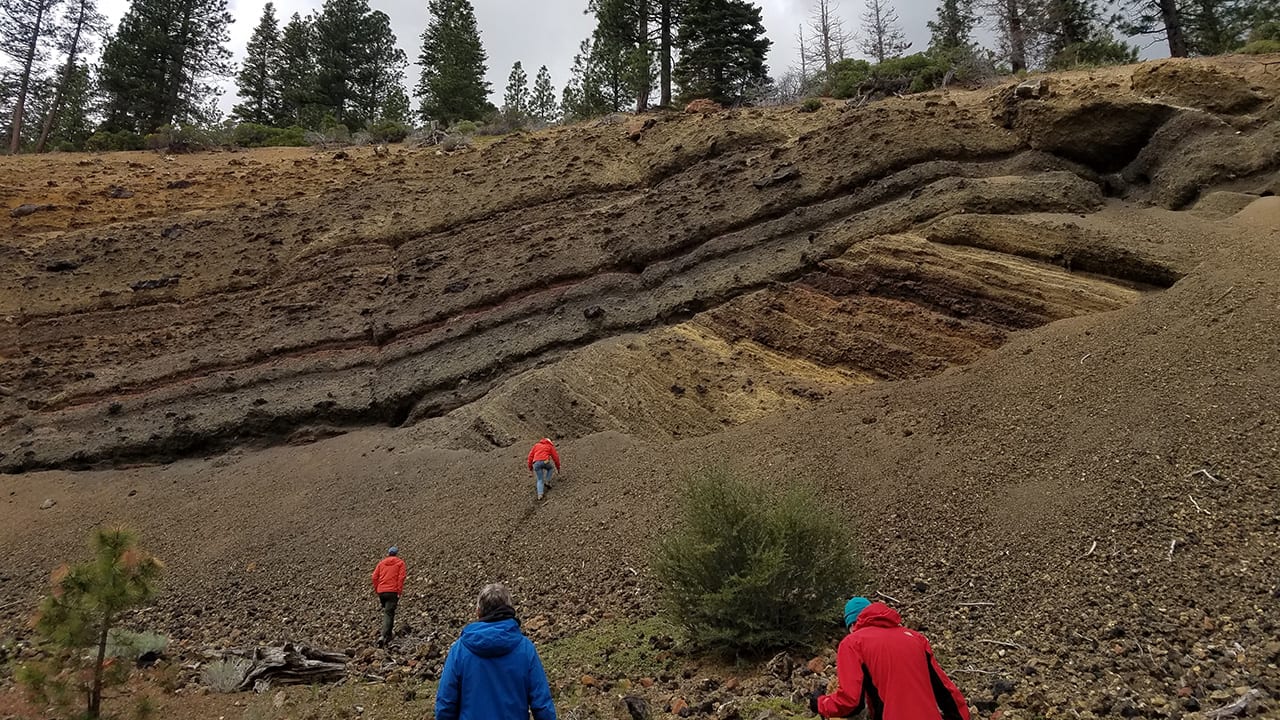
388,583
541,459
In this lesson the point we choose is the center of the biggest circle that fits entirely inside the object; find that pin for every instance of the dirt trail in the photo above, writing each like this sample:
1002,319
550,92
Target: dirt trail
1001,335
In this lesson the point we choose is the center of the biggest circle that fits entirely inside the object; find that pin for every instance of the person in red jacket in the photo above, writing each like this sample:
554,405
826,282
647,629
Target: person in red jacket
541,459
388,583
889,670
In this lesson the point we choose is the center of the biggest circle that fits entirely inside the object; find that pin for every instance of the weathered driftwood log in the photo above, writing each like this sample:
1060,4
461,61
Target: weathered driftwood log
292,665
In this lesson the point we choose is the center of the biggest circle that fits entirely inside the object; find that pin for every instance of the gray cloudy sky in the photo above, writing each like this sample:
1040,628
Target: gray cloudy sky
543,32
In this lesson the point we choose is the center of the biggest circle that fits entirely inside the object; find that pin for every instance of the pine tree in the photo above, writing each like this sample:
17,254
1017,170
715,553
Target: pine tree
88,600
452,86
722,48
295,75
257,79
882,35
159,66
543,105
1015,20
80,24
622,42
68,119
396,107
379,81
954,27
1066,23
515,102
1214,27
1154,17
26,27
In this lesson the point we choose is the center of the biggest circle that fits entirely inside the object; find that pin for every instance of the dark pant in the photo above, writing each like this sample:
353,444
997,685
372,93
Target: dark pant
389,602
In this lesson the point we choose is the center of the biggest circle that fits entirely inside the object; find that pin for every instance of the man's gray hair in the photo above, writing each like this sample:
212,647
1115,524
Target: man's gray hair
493,597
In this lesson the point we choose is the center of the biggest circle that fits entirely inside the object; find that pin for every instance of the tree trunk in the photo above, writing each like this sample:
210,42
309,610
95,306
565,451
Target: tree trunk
824,10
67,71
642,32
15,140
664,51
1018,36
1173,28
95,697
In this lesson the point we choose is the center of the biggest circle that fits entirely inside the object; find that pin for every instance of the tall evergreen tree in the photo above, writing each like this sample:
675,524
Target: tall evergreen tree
159,66
543,105
515,102
379,82
1067,22
1154,18
882,34
68,111
1214,27
722,50
622,41
396,107
295,74
258,82
1015,20
452,86
953,29
69,117
26,27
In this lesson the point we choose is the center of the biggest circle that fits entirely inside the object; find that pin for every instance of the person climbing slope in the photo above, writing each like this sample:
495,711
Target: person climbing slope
388,583
542,458
889,670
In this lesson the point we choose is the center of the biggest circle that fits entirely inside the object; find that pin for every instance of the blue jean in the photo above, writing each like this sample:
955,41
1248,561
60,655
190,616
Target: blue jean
542,471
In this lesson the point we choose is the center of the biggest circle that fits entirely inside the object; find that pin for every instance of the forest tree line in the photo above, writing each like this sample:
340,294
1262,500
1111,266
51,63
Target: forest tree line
69,81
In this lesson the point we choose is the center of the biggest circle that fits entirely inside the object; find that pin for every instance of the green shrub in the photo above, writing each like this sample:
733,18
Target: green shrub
66,146
846,76
747,572
185,139
389,131
811,105
1098,52
463,127
1261,47
252,135
1268,30
103,141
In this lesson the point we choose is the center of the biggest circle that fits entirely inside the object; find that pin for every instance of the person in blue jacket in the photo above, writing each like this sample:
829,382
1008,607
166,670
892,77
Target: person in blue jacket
493,671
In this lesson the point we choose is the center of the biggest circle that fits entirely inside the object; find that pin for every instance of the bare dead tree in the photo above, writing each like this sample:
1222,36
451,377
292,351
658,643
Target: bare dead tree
882,35
830,37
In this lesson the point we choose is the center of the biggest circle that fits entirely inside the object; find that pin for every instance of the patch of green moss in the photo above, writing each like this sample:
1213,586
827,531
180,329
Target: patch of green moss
780,706
631,648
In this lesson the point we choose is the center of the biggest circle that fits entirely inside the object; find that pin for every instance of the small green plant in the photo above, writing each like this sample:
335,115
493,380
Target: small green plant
76,620
747,572
226,674
131,645
811,105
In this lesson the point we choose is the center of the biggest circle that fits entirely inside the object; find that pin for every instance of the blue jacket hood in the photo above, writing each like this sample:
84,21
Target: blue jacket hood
492,639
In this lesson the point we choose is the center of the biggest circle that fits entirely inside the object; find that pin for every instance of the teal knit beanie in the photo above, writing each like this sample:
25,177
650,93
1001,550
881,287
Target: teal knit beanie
853,608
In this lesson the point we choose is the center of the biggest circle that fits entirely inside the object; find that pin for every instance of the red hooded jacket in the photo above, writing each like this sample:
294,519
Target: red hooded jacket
389,575
891,671
543,450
